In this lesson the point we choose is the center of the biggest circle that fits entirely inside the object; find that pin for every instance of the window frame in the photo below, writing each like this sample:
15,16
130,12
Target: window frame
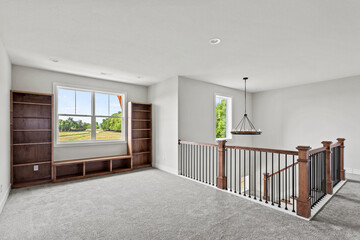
93,116
229,110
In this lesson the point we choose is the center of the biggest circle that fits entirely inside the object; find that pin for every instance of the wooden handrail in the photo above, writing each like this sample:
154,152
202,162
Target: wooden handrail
264,150
281,170
267,176
334,145
200,144
317,150
311,152
288,152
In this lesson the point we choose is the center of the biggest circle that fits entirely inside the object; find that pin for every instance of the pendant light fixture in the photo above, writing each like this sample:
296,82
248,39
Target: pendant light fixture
245,126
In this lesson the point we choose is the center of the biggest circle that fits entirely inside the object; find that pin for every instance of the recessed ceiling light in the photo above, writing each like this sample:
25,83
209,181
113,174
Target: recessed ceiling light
214,41
54,60
139,77
105,74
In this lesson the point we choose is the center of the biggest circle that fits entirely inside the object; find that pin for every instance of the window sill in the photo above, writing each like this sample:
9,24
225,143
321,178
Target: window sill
222,139
84,144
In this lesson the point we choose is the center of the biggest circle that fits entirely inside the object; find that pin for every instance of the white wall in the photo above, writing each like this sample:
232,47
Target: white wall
164,97
36,80
197,111
5,86
309,114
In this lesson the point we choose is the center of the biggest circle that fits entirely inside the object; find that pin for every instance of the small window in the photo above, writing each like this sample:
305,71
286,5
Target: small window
89,116
223,117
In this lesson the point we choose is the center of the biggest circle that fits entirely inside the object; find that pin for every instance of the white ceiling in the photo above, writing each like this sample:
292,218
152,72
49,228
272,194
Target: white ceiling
276,43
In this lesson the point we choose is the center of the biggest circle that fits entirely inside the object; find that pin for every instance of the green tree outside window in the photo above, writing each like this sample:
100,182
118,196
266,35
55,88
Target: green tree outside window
220,117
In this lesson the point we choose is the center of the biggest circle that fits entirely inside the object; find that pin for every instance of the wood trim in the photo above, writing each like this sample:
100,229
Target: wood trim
329,183
141,110
334,145
129,132
264,150
139,153
266,196
32,130
11,139
67,162
30,103
28,136
54,173
342,169
71,169
143,166
52,136
123,170
221,179
31,183
32,163
34,117
303,201
317,150
151,134
25,144
92,175
140,144
86,163
281,170
84,169
141,103
34,93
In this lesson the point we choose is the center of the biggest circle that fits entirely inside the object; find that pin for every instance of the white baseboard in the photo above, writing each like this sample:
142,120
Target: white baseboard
166,169
352,171
4,199
318,207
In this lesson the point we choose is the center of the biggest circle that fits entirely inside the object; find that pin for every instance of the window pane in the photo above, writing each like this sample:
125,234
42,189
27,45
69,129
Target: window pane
108,128
101,104
220,117
83,103
74,128
115,105
66,101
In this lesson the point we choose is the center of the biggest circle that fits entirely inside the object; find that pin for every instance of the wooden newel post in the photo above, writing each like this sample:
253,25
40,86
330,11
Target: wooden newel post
303,201
342,146
329,183
221,178
266,187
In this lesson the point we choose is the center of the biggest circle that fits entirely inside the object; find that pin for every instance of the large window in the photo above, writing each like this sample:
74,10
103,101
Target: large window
223,117
89,116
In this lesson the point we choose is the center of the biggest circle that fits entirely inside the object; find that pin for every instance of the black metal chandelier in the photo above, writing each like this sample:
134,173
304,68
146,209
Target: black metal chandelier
245,126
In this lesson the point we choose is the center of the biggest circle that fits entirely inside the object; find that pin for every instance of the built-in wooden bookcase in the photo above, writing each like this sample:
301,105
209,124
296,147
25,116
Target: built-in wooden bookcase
90,167
31,127
140,134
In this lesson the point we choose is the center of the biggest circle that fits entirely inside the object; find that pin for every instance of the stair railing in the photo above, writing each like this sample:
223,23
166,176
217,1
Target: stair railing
289,197
281,178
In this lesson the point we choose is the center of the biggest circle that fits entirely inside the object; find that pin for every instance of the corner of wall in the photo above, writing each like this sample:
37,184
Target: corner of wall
5,80
4,199
165,98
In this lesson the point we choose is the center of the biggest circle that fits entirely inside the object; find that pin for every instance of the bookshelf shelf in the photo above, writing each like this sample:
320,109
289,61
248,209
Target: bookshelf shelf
140,134
31,138
33,103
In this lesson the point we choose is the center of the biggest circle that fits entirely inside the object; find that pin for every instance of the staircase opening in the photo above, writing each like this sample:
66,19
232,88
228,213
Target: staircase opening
293,181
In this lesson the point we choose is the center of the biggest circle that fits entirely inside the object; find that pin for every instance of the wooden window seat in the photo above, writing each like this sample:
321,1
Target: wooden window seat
90,167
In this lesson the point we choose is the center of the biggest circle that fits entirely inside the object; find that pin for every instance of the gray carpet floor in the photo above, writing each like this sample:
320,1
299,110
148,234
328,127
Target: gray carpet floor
152,204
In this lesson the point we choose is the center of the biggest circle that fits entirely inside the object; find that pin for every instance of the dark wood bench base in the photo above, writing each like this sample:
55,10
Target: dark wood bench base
91,167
